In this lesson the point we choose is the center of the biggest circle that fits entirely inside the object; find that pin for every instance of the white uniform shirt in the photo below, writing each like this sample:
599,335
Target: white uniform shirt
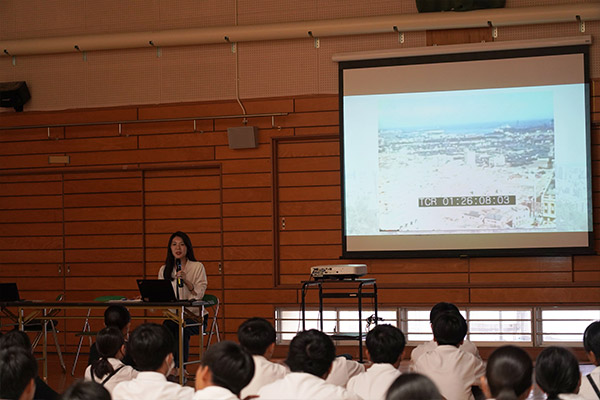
423,348
215,393
586,391
151,385
453,371
126,373
342,370
301,385
265,372
374,383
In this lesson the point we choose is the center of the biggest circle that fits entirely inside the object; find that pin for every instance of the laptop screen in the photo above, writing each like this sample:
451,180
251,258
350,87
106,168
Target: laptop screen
156,290
9,292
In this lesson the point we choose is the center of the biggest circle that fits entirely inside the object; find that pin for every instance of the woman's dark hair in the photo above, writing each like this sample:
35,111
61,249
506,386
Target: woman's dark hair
170,260
591,339
509,372
557,371
413,386
15,338
108,342
86,390
230,365
311,351
256,335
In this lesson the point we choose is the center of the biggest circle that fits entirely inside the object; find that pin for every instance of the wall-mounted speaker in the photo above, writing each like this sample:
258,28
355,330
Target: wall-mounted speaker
14,94
243,137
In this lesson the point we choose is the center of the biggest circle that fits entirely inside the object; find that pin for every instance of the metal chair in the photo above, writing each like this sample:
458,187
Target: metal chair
214,326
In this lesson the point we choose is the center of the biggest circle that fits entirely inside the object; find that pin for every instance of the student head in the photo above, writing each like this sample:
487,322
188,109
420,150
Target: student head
257,336
225,364
557,371
449,328
385,344
110,344
442,308
18,370
591,342
117,315
312,352
86,390
179,244
15,338
413,386
151,346
508,374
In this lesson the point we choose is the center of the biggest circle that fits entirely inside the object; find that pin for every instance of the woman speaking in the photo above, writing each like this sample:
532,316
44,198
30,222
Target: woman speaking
188,278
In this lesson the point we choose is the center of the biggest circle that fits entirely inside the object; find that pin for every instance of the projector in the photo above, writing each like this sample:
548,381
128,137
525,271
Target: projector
341,271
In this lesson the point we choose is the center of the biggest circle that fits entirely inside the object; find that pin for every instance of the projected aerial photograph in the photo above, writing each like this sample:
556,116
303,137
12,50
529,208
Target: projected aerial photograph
467,161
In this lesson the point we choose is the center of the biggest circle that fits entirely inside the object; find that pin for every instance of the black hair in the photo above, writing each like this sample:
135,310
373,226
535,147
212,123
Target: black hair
591,339
311,351
86,390
231,366
385,344
149,345
509,372
256,335
441,308
108,342
170,260
413,386
17,368
116,315
557,371
15,338
449,328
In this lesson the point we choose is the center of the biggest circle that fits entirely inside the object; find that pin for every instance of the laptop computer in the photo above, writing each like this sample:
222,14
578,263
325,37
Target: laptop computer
156,290
9,292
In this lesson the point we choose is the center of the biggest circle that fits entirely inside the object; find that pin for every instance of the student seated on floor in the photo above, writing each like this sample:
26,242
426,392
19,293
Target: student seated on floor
385,346
109,370
18,370
423,348
452,370
309,357
413,386
557,373
20,339
151,347
508,374
257,336
225,369
590,384
116,316
86,390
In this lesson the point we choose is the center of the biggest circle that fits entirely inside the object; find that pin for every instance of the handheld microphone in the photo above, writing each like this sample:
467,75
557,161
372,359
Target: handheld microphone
179,280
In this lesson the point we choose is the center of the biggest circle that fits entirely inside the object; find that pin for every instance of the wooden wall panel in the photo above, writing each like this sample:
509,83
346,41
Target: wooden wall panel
258,218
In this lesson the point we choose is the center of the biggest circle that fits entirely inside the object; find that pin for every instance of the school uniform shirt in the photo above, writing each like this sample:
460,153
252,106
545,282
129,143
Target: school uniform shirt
301,385
452,370
126,373
423,348
586,390
570,396
374,383
215,393
150,385
342,370
265,372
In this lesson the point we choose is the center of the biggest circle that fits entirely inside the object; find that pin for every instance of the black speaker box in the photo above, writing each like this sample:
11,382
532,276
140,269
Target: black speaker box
14,94
457,5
